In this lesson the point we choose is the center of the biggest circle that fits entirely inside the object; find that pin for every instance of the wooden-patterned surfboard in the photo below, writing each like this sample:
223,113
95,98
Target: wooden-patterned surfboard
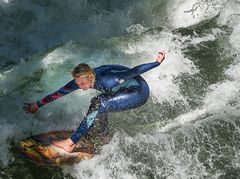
38,148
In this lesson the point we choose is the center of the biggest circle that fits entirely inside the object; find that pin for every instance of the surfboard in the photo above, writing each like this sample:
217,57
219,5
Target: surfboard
39,149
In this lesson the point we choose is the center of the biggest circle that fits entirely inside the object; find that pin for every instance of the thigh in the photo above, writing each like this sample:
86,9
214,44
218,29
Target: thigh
124,99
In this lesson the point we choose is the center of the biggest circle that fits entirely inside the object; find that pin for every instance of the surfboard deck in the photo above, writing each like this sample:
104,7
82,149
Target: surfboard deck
39,149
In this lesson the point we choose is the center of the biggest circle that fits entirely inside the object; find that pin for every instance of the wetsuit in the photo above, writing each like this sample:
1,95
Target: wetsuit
122,88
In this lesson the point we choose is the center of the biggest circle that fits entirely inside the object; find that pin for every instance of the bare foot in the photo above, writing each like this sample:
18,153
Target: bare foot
66,144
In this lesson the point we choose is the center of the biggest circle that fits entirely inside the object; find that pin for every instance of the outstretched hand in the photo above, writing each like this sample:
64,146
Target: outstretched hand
30,107
160,56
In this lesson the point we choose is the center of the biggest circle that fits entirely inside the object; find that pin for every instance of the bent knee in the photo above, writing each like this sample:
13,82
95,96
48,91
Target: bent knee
103,104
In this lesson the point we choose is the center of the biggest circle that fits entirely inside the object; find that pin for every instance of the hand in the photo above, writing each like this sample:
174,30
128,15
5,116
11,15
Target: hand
160,56
30,107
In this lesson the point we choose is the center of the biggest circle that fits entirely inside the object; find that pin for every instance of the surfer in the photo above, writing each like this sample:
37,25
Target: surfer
122,89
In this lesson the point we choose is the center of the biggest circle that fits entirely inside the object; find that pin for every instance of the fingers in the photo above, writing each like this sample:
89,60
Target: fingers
26,104
27,110
27,107
162,52
161,56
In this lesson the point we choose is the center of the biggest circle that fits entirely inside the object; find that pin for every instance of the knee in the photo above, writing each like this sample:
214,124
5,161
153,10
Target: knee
103,105
143,99
100,103
144,95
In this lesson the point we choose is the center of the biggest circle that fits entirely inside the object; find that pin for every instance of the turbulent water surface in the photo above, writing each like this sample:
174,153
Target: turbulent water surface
190,126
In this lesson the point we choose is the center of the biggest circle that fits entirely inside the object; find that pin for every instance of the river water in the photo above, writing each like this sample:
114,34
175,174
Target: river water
190,126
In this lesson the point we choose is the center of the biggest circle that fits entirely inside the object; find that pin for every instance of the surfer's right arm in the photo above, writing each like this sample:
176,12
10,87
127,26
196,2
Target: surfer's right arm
140,69
68,88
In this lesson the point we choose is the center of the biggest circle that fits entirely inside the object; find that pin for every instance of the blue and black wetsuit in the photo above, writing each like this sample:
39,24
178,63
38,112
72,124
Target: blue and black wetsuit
122,88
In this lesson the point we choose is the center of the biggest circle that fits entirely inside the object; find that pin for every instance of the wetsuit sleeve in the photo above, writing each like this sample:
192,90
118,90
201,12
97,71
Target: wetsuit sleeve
140,69
68,88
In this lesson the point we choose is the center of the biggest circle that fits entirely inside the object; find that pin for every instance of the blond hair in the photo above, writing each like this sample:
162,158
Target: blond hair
83,69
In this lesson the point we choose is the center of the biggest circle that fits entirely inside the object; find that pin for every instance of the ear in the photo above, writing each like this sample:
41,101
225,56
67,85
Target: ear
90,77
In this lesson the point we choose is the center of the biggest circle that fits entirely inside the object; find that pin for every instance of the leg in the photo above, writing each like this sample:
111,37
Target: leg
103,122
102,117
122,100
88,122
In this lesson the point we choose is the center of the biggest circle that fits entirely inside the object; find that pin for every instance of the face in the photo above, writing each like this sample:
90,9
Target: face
84,82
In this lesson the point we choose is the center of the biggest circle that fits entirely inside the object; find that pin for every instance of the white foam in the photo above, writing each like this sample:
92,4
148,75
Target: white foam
167,162
216,32
5,1
183,119
54,58
234,71
219,96
230,13
136,29
6,133
230,16
111,162
189,12
215,102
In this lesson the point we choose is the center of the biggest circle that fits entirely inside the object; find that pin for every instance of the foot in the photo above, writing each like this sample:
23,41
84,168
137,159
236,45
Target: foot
66,144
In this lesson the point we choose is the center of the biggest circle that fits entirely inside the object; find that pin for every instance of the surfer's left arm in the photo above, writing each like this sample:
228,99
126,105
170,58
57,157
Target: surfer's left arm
140,69
68,88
